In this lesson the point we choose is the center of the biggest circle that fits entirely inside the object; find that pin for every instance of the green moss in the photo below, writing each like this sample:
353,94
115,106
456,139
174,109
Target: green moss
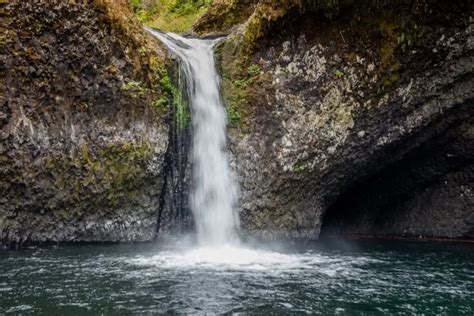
233,115
392,78
85,152
252,73
237,93
135,88
165,81
110,173
142,51
183,116
404,41
161,103
164,85
253,31
236,101
299,168
399,35
135,5
253,70
389,63
171,94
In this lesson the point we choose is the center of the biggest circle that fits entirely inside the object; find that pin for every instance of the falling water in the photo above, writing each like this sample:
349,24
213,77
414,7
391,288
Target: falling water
214,189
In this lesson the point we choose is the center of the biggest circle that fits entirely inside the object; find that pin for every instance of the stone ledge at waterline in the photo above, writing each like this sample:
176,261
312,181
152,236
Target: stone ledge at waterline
81,144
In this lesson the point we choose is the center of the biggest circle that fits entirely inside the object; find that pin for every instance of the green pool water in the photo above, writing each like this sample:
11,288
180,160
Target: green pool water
339,278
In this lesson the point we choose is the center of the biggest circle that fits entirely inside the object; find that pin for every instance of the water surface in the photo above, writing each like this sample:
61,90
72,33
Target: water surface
343,279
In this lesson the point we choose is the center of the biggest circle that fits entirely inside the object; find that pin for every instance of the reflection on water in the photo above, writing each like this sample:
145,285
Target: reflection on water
370,277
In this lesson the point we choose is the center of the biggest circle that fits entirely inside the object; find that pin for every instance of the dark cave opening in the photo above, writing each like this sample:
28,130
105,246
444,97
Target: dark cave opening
429,193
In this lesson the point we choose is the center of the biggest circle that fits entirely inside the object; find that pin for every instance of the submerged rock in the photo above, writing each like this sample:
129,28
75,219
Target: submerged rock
81,145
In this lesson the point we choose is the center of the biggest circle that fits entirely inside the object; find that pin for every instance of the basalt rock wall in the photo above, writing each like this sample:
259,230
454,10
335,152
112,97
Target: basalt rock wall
352,117
82,135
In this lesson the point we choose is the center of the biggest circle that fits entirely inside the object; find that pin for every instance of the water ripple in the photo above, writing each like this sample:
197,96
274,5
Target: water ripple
392,278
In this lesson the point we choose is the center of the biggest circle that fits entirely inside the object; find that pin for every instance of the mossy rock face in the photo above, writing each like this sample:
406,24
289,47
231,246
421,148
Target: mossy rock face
82,142
341,94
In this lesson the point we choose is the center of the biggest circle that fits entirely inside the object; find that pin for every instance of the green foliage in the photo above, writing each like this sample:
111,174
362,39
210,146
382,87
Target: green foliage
183,116
404,41
114,171
170,15
173,95
237,93
161,103
252,73
142,51
299,168
233,115
135,5
399,37
165,82
135,88
253,70
339,74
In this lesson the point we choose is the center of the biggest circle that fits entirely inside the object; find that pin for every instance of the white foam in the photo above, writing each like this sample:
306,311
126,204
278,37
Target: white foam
229,257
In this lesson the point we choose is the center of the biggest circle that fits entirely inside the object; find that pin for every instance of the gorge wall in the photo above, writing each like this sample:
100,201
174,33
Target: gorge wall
82,133
353,118
345,118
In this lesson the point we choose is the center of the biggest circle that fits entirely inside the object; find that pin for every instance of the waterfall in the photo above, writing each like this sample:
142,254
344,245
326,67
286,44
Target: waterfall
214,189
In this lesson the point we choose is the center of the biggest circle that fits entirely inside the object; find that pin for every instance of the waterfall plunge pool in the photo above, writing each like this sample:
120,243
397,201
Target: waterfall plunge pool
342,278
174,278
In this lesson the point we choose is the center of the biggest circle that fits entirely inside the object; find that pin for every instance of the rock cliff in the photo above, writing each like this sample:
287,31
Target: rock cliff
353,118
82,130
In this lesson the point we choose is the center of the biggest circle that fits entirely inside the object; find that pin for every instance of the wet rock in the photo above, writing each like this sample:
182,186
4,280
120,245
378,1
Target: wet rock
341,100
80,155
